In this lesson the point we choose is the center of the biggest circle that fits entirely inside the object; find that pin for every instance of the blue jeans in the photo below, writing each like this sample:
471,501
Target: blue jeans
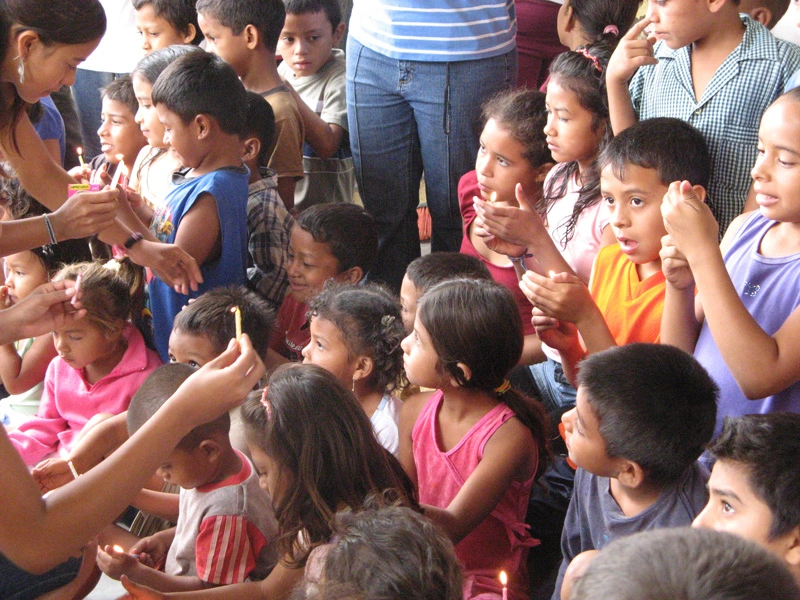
89,102
16,584
406,117
556,392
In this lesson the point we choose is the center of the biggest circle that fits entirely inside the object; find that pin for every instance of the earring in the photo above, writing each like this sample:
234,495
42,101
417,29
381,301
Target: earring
21,70
354,385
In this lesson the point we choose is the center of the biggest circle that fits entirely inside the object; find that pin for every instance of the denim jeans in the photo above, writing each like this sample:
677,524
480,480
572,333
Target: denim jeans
16,584
406,117
89,102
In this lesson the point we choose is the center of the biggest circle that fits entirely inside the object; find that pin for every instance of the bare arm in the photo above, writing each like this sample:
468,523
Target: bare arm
21,373
324,138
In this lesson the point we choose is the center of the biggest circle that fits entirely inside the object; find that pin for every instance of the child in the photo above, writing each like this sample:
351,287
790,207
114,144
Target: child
476,445
202,105
226,531
23,364
329,241
743,323
151,175
101,362
315,70
754,487
584,22
681,564
163,23
712,67
513,151
426,271
355,334
642,416
625,297
245,34
120,137
269,224
766,12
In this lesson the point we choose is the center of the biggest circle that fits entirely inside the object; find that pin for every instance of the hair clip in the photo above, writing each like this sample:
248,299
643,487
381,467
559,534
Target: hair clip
266,404
47,251
387,320
503,387
612,29
591,57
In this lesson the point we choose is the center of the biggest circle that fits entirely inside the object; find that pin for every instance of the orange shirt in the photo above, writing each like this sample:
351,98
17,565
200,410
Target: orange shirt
632,308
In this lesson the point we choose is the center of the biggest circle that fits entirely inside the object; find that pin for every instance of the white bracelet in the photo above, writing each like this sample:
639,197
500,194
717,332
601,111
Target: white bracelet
72,468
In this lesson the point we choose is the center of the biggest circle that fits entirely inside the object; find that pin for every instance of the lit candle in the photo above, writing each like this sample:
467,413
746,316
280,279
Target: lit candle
118,172
120,550
551,274
238,316
504,582
493,197
79,150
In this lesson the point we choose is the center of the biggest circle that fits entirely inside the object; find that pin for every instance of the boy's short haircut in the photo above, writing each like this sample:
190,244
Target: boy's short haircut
426,271
768,447
267,16
777,8
349,231
202,83
160,385
655,404
332,9
210,316
260,123
178,13
672,147
121,90
685,564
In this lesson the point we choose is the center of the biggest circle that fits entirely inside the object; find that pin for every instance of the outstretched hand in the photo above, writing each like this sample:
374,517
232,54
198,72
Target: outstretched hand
688,220
173,265
631,53
46,309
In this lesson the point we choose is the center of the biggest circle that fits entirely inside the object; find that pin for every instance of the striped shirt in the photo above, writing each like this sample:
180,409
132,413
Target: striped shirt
729,112
435,30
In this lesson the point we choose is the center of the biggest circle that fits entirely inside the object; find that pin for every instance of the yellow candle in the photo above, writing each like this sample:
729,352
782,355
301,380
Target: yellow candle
237,312
79,150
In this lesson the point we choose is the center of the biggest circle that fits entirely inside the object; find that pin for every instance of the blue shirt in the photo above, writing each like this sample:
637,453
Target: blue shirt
51,126
729,113
435,30
229,189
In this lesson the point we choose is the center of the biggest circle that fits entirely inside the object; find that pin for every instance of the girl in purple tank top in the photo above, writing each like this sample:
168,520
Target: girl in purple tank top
474,446
744,323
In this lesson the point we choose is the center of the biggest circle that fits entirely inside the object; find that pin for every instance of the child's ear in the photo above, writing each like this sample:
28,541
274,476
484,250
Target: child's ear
210,449
338,33
630,474
465,371
352,275
364,367
792,555
252,146
252,37
191,31
571,22
203,126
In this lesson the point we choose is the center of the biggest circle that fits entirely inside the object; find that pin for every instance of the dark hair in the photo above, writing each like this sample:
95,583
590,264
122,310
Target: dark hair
152,65
121,90
477,323
368,317
67,22
690,564
159,386
777,9
426,271
391,553
655,404
348,229
332,9
202,83
267,16
767,446
260,123
178,13
327,454
671,147
522,113
108,292
210,316
583,73
595,15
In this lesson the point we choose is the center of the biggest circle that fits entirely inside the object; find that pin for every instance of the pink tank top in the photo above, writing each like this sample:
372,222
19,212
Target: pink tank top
501,541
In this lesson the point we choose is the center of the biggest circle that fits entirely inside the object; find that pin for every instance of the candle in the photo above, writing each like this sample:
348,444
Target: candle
493,197
504,582
79,150
551,274
238,316
118,172
77,295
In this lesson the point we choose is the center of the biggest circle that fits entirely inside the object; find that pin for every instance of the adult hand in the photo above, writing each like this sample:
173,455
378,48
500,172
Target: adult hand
519,225
85,214
46,308
140,592
51,474
688,221
674,265
170,263
631,53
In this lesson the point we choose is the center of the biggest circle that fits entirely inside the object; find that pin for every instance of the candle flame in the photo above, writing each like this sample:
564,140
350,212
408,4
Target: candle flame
493,197
119,549
503,578
233,309
551,274
79,150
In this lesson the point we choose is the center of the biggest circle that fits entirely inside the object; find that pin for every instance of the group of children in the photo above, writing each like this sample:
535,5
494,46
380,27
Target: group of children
550,362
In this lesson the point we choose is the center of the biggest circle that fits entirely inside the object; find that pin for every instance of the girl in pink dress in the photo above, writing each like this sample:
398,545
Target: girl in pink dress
474,446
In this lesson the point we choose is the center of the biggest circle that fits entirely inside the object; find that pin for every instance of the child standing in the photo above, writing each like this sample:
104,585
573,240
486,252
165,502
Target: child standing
744,322
202,105
245,34
584,22
23,363
226,531
355,334
163,23
476,445
316,71
712,67
101,362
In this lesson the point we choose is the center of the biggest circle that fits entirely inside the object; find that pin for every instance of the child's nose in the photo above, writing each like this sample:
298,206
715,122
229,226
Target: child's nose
700,520
568,418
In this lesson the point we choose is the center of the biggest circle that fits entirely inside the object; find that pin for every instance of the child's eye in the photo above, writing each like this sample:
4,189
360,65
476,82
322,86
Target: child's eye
637,201
609,200
75,338
172,359
502,161
727,508
194,364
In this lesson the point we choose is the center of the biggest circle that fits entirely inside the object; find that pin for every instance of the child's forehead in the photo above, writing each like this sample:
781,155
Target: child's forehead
307,20
304,242
116,107
630,175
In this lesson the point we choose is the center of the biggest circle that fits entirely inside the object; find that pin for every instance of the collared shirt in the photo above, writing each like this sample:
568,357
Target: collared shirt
269,226
729,112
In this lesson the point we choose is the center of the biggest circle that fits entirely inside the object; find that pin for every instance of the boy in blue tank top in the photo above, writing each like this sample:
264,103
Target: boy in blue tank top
202,104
